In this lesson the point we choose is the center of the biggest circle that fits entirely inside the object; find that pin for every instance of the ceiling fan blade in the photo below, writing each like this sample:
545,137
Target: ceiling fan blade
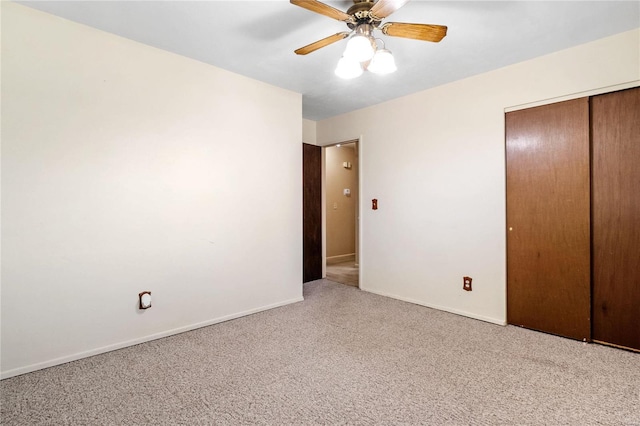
424,32
322,43
383,8
323,9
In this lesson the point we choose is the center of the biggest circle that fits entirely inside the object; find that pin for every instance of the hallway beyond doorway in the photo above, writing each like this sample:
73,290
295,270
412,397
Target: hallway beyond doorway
344,273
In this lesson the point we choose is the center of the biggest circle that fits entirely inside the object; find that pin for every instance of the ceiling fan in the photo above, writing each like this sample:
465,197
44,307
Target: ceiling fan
370,15
363,18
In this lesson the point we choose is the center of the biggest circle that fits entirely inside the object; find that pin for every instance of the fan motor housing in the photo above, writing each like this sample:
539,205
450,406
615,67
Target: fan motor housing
361,15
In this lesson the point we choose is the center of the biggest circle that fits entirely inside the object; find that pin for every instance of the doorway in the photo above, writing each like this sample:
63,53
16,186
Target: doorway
342,213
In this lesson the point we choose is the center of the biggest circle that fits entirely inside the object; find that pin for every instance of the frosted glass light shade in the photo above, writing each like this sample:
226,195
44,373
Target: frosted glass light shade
382,62
348,68
359,47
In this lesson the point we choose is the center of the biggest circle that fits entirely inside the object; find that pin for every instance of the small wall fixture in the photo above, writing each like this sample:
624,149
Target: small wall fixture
145,299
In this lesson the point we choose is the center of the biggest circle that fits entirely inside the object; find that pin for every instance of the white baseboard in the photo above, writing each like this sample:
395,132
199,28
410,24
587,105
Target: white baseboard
341,258
440,308
116,346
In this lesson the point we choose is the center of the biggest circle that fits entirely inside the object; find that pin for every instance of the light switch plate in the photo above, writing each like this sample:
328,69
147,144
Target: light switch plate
145,299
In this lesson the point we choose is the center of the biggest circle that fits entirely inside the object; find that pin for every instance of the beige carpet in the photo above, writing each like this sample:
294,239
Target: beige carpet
340,357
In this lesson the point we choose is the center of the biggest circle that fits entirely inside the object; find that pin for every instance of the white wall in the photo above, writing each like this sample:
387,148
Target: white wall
309,131
435,161
127,168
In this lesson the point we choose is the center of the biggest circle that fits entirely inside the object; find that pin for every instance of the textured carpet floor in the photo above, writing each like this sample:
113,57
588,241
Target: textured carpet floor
340,357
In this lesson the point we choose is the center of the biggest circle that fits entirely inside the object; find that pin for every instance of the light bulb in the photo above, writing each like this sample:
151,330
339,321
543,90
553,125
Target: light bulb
348,68
382,62
360,48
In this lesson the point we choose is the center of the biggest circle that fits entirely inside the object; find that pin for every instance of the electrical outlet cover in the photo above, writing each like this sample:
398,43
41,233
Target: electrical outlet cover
466,283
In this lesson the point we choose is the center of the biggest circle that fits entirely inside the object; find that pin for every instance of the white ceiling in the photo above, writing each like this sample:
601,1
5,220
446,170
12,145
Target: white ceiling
257,39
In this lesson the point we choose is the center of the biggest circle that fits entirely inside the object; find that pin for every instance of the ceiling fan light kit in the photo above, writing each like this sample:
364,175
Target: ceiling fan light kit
382,62
362,52
361,46
351,66
348,68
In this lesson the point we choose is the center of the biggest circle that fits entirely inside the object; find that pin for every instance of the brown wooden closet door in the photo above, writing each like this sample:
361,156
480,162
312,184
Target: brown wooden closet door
311,212
548,235
616,217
